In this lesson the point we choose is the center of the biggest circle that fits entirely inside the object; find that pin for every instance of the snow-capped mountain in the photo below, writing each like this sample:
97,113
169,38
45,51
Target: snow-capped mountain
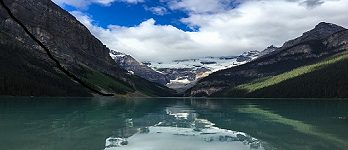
251,55
134,67
211,63
183,74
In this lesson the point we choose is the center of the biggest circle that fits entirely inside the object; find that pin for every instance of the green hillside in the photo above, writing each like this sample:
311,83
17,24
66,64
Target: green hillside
325,78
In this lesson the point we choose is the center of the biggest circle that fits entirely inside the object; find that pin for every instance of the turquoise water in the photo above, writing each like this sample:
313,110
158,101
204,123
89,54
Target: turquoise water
172,123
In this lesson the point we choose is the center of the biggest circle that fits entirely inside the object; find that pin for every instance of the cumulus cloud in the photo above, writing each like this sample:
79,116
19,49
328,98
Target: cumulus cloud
252,25
269,22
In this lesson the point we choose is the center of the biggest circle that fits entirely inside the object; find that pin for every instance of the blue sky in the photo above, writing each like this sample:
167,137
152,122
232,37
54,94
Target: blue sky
160,30
132,14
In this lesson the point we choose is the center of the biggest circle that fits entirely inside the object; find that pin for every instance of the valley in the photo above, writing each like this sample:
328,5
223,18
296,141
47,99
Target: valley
312,65
183,74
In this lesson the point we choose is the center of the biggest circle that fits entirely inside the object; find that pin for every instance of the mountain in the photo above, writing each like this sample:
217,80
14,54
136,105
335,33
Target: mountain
133,66
312,65
26,70
251,55
183,74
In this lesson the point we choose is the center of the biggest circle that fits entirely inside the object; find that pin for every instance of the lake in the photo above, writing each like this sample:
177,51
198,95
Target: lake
173,124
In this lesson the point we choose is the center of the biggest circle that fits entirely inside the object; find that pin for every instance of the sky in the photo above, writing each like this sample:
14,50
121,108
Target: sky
163,30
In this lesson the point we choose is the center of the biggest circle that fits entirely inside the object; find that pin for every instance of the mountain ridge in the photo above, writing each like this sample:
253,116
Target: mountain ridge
134,67
183,74
72,44
304,50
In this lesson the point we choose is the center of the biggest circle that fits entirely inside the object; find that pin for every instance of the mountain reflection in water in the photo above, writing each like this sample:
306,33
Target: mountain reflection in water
179,127
172,123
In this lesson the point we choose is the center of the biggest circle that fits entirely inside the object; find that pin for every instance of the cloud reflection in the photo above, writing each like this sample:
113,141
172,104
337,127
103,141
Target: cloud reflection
179,127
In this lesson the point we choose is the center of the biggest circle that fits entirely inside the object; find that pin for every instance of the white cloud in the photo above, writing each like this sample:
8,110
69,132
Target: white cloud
253,25
159,10
200,6
149,41
83,18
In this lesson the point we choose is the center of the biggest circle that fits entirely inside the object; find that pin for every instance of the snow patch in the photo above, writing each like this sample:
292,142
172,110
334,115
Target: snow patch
182,81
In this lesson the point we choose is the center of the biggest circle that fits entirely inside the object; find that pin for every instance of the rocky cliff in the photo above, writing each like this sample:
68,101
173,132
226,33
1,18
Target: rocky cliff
70,42
324,40
133,66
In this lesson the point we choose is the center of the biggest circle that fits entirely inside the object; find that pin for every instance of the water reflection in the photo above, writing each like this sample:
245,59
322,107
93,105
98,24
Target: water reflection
179,127
172,123
298,126
287,124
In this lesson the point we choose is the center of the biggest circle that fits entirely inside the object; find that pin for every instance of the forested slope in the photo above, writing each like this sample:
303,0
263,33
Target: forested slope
312,65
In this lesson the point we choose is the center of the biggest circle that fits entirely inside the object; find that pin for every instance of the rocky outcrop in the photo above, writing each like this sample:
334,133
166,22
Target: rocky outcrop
137,68
248,56
251,55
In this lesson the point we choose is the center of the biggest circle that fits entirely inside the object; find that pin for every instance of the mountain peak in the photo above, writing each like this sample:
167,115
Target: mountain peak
326,25
320,31
324,29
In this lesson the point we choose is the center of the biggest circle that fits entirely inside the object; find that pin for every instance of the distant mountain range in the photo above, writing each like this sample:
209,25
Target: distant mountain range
312,65
26,70
183,74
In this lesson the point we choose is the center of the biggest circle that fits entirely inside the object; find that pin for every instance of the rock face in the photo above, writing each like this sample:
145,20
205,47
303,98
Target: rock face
251,55
71,43
248,56
137,68
321,31
324,40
